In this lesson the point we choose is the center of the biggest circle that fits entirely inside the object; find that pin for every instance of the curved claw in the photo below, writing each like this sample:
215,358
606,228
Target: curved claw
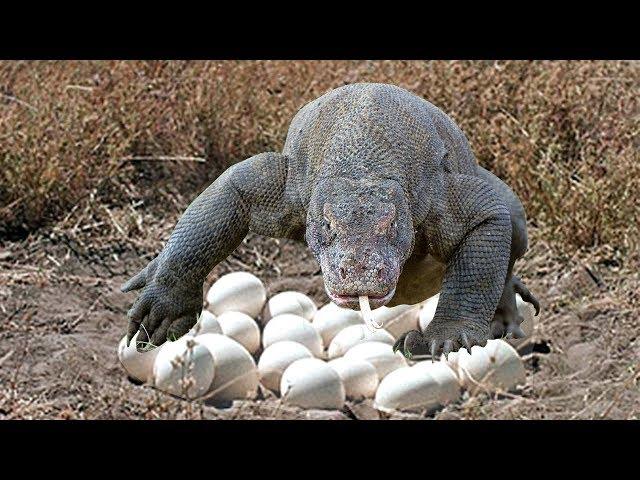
131,330
447,348
433,349
526,295
136,315
136,282
465,342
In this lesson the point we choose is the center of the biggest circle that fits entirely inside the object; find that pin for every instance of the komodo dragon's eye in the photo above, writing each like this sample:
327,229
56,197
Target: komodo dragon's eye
328,233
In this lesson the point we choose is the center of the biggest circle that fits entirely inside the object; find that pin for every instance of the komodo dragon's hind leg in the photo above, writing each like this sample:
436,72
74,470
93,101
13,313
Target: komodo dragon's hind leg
506,320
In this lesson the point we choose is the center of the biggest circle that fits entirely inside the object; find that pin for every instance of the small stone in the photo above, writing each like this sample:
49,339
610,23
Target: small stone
325,415
580,355
364,410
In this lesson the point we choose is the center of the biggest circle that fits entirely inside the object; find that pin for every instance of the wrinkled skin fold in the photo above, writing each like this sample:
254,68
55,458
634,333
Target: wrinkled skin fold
386,192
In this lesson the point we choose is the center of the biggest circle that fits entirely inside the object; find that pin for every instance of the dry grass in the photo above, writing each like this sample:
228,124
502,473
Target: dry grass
563,134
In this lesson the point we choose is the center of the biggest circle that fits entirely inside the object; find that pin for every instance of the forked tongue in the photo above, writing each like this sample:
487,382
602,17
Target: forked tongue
367,316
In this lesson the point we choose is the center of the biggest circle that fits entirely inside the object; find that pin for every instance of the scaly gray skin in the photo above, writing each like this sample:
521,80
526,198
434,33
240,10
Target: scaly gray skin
374,179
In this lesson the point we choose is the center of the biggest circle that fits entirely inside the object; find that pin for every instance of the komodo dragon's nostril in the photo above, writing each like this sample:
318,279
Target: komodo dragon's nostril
343,273
380,272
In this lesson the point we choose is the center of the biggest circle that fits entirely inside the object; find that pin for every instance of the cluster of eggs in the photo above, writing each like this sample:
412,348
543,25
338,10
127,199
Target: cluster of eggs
314,358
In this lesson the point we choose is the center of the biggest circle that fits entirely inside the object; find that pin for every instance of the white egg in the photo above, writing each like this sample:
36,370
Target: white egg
184,368
527,311
497,366
355,334
397,320
207,323
137,364
289,302
242,328
428,311
331,319
359,377
449,386
408,389
276,358
239,292
295,328
380,355
312,383
236,374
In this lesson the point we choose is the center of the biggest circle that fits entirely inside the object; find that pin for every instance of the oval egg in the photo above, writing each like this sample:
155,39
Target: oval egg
497,366
312,383
527,311
380,355
276,358
184,368
331,319
242,328
354,335
427,311
207,323
359,377
397,320
138,365
289,302
449,386
294,328
408,389
236,374
239,292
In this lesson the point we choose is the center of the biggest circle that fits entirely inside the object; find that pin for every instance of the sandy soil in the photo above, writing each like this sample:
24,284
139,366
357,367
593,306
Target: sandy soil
64,315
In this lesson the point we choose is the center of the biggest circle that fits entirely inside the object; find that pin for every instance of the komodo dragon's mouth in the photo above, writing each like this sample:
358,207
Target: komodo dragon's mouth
352,301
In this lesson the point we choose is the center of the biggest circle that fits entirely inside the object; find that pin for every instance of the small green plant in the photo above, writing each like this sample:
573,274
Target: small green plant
171,336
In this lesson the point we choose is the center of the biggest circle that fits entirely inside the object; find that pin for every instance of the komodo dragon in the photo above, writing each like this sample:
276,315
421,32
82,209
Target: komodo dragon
385,190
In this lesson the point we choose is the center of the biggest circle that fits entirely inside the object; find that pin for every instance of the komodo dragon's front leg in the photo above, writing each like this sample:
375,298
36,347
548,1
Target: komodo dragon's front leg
470,230
250,195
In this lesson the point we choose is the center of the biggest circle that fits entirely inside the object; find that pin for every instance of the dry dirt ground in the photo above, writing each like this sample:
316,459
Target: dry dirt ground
63,315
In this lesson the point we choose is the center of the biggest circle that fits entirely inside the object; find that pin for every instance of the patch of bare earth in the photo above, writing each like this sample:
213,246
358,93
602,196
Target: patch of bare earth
63,315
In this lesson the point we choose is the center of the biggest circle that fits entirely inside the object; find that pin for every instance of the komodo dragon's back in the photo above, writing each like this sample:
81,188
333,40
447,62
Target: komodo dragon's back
362,128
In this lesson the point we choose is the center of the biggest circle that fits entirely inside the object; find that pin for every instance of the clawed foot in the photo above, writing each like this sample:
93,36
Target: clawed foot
525,294
163,310
442,338
507,320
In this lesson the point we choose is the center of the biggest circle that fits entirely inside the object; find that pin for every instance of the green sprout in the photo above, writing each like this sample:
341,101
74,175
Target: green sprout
171,336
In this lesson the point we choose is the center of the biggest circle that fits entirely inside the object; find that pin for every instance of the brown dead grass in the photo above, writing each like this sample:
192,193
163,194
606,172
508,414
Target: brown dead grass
564,135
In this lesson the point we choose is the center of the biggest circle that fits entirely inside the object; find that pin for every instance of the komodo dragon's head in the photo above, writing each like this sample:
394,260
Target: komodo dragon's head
361,233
